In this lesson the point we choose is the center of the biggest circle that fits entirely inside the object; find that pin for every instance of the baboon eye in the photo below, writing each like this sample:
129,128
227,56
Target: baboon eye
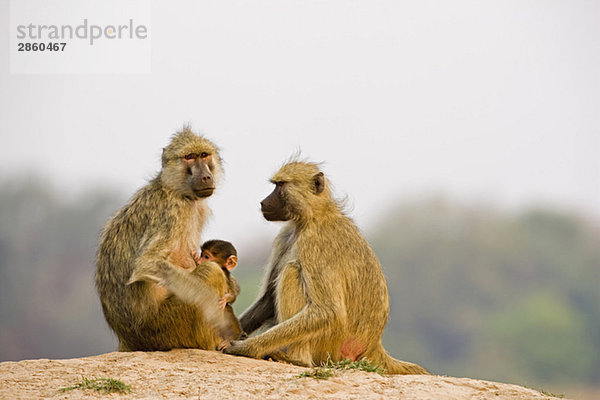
191,156
279,184
203,154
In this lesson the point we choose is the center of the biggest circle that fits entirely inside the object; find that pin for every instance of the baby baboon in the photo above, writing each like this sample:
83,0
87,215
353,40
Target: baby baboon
225,255
152,294
324,289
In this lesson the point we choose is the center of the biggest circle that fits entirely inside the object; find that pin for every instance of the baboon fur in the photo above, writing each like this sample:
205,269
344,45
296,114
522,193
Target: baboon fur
325,293
152,294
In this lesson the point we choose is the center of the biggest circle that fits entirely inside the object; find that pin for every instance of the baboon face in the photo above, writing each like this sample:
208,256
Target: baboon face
190,165
200,175
273,206
297,185
206,255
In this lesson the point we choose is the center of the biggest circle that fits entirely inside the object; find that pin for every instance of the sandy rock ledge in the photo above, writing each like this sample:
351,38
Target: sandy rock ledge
188,373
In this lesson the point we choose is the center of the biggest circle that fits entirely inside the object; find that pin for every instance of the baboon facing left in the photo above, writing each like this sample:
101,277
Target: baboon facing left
153,296
325,295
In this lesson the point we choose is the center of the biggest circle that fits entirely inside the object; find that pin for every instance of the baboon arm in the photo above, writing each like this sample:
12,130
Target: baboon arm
319,316
308,323
258,313
152,258
263,309
193,288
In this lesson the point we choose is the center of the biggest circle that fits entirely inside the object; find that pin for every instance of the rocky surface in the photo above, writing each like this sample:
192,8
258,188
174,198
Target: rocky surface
187,373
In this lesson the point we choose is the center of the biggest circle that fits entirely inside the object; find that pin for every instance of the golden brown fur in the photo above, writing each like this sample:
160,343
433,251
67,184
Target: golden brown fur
152,294
325,290
225,255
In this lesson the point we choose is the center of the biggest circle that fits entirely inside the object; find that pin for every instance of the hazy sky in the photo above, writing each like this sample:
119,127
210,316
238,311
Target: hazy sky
495,101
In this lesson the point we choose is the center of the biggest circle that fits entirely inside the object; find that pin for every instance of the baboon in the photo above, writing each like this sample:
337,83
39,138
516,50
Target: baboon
153,295
225,255
325,293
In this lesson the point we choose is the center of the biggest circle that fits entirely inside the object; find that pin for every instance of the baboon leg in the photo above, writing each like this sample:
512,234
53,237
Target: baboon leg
392,365
295,299
281,356
311,322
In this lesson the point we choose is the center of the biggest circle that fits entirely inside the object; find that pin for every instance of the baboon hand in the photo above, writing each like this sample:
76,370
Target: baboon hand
222,303
239,348
223,345
228,298
196,257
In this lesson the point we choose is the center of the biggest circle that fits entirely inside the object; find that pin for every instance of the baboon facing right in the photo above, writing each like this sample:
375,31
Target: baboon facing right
324,294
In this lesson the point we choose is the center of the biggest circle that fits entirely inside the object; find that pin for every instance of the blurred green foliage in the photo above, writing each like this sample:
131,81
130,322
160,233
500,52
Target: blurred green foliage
488,294
48,303
474,291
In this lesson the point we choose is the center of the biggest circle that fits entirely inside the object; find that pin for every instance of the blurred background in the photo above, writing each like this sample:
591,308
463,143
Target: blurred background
465,135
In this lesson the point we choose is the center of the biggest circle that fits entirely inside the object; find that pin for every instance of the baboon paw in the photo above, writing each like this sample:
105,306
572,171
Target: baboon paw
224,345
236,349
231,350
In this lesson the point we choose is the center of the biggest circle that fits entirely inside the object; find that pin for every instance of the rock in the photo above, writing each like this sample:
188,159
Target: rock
190,373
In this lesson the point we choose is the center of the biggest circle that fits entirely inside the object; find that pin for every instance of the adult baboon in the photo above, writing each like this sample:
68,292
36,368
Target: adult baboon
152,294
324,291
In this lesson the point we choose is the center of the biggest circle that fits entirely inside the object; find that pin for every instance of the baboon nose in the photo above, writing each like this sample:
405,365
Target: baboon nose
206,179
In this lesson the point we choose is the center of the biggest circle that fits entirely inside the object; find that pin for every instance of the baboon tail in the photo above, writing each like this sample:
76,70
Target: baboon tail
396,367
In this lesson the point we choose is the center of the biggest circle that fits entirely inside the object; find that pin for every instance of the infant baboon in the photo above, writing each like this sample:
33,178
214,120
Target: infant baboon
225,255
152,294
324,289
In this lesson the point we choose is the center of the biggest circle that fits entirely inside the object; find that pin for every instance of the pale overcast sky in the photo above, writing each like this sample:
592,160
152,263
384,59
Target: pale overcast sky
482,101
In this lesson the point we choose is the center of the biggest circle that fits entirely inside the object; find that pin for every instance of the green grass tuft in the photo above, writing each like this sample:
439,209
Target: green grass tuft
104,385
362,365
318,373
329,368
558,396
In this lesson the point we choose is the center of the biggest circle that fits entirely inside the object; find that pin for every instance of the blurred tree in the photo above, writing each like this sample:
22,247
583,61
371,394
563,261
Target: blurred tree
48,301
478,292
543,335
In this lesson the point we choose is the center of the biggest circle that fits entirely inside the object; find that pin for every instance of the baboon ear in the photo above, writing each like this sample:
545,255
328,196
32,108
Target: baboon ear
319,183
231,262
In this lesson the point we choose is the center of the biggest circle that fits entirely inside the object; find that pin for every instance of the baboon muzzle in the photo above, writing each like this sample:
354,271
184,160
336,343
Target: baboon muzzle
273,207
203,184
203,189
